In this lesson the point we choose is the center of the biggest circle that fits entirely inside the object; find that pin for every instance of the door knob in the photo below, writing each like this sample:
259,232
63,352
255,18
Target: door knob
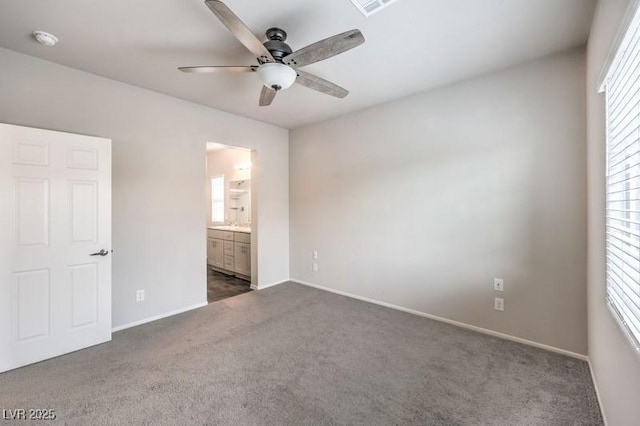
102,252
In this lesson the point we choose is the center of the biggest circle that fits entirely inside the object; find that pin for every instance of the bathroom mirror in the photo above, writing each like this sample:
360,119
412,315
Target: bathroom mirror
240,201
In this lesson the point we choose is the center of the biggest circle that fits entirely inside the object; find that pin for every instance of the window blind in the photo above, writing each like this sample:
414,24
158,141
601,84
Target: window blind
622,89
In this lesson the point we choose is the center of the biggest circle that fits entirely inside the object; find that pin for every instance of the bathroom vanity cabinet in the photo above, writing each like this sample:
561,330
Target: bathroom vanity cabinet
229,250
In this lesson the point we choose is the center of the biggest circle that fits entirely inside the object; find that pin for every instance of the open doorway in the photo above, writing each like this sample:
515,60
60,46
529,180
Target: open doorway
228,183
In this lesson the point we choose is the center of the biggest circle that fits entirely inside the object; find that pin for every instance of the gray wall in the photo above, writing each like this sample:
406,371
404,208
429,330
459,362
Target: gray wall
159,196
616,368
423,201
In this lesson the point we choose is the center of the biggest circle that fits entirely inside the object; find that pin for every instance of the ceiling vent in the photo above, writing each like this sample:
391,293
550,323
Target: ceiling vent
368,7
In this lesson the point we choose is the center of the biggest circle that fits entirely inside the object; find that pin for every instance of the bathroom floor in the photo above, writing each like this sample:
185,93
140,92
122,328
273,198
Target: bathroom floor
221,286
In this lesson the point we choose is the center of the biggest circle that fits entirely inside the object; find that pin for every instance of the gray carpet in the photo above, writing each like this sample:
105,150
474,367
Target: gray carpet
291,355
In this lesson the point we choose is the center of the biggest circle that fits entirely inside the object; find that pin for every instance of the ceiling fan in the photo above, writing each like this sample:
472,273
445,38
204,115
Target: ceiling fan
278,65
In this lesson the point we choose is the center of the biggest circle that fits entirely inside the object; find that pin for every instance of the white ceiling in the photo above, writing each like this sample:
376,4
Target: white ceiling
411,46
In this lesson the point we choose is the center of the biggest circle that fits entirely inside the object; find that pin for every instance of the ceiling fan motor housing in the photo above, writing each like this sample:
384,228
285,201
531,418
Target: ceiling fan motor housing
276,43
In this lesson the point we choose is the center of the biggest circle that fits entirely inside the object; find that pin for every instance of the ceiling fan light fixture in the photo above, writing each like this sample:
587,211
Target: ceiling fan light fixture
277,76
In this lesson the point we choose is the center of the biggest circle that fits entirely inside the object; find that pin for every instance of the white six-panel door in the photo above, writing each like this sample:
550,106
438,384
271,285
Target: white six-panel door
55,215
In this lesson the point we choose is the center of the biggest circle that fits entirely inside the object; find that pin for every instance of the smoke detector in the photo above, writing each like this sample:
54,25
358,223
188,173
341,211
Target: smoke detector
368,7
45,38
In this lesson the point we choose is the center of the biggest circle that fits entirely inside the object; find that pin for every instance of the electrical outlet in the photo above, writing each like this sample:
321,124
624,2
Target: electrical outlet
140,296
498,303
498,284
314,254
314,267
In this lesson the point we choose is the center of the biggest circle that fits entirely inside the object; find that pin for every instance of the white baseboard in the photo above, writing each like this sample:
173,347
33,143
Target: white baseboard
157,317
263,286
448,321
595,386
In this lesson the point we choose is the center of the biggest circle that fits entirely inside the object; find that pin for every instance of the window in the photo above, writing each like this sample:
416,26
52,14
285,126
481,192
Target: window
622,88
217,199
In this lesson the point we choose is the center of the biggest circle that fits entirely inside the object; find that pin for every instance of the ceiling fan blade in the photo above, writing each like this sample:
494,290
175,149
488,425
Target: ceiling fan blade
209,69
266,96
239,29
324,49
320,84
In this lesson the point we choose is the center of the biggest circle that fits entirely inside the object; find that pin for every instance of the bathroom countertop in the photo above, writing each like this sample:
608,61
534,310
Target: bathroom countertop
244,229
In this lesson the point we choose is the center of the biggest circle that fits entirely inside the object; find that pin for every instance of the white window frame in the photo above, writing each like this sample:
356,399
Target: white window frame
217,200
622,189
